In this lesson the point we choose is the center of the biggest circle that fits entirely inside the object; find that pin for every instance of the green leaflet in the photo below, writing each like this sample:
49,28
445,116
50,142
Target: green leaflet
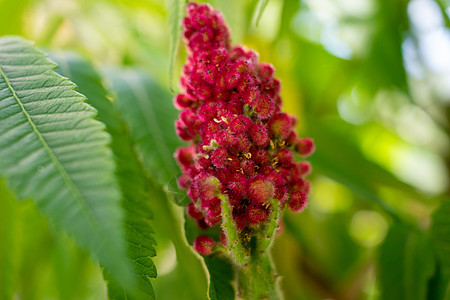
137,190
58,155
406,263
260,10
176,16
440,233
149,112
221,275
384,65
440,236
151,115
337,157
220,269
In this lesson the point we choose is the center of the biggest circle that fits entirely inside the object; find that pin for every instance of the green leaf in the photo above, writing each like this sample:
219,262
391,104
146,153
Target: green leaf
177,8
338,156
137,190
405,263
57,153
260,7
221,275
220,269
440,234
440,237
384,67
149,111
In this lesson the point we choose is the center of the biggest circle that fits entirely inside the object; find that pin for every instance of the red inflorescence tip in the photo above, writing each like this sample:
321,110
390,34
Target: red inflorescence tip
241,143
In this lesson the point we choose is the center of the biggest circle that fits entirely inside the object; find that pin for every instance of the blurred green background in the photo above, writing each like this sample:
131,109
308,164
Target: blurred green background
369,80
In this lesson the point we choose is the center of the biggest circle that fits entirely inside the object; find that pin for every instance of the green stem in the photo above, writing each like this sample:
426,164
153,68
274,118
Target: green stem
257,280
234,247
256,277
271,227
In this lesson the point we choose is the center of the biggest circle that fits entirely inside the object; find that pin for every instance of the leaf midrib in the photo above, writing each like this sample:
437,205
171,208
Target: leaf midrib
71,185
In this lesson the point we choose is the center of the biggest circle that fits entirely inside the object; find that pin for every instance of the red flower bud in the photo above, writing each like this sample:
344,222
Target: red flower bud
240,124
212,218
248,167
305,146
265,70
184,181
183,131
232,79
207,186
260,156
225,138
241,143
257,213
185,157
292,138
304,168
183,101
285,157
219,157
194,212
264,107
251,96
260,190
259,135
298,201
280,125
293,119
203,244
237,185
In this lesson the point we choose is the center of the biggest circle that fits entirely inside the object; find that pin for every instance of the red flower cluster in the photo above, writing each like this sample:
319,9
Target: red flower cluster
240,140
